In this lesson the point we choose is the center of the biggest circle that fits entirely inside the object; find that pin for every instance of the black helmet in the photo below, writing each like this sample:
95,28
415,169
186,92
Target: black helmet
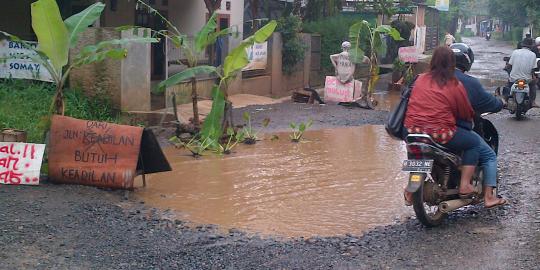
464,56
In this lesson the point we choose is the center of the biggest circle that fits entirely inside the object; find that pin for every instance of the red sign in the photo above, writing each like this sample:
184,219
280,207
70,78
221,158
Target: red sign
20,163
336,91
408,54
93,153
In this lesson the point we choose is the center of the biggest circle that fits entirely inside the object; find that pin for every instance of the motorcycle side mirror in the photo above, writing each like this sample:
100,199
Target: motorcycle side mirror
506,58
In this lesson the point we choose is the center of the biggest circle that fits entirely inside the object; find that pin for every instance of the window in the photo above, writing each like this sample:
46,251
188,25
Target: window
228,5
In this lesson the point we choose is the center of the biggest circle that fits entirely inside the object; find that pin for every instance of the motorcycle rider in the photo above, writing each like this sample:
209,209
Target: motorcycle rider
522,63
437,101
482,102
536,48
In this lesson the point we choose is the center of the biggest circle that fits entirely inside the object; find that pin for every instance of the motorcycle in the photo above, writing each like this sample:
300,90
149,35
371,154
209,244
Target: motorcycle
518,94
519,99
434,174
488,36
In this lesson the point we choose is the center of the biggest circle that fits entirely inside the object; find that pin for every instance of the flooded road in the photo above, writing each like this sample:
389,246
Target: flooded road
488,62
387,100
337,181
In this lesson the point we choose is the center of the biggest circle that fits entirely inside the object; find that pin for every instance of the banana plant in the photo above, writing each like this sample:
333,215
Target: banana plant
366,39
206,36
220,117
56,37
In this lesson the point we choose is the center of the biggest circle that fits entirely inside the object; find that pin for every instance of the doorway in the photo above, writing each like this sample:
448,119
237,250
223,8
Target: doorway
158,50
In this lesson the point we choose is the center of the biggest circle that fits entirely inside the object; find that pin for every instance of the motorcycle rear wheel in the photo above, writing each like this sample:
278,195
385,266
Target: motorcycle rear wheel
519,112
429,216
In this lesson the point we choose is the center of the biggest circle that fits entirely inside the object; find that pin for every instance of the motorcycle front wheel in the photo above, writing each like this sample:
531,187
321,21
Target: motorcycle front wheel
428,215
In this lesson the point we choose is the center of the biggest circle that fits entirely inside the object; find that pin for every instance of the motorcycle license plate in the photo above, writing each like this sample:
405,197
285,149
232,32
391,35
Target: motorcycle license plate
417,165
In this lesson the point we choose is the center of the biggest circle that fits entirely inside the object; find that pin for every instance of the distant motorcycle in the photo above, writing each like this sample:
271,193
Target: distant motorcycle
519,99
434,174
518,95
488,36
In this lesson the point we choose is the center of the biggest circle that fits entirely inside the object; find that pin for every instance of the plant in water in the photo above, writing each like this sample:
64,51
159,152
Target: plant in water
195,145
220,116
233,139
56,38
405,71
299,129
365,38
250,134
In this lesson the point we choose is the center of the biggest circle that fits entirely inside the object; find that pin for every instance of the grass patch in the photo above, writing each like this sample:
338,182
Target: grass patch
25,104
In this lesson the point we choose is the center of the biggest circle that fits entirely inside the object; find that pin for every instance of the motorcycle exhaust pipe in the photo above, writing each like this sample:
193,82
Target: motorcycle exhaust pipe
449,206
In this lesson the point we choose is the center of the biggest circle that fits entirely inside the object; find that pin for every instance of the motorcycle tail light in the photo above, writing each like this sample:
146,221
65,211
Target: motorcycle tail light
414,149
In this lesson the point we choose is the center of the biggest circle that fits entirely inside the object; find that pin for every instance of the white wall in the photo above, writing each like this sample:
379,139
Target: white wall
190,16
237,19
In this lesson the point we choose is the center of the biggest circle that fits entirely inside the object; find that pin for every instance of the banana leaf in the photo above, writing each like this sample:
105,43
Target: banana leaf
111,44
358,33
79,22
51,32
211,129
378,44
237,58
118,53
202,37
184,75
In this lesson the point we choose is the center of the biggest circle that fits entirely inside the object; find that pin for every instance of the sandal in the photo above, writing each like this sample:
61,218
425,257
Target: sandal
500,203
470,195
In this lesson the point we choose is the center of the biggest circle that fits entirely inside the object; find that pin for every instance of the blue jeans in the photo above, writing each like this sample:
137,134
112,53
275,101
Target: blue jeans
468,142
488,161
476,152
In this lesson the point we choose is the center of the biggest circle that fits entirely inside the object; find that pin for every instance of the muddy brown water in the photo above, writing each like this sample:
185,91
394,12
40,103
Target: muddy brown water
336,181
386,101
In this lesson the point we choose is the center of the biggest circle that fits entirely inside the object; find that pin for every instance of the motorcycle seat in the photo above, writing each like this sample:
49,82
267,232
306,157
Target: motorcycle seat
422,146
424,138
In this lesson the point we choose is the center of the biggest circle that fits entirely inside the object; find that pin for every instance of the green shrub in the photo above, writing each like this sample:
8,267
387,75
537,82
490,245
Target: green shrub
468,33
458,37
404,28
333,31
515,35
23,105
293,48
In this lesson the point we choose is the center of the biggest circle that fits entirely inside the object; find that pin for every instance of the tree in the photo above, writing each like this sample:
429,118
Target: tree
316,9
212,5
297,7
511,12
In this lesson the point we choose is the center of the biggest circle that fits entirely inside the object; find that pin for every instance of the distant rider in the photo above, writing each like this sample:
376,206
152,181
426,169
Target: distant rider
536,48
522,63
449,39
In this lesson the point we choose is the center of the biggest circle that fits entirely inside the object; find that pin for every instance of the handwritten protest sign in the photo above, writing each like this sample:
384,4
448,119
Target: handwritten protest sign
408,54
20,163
257,56
93,153
16,62
336,91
